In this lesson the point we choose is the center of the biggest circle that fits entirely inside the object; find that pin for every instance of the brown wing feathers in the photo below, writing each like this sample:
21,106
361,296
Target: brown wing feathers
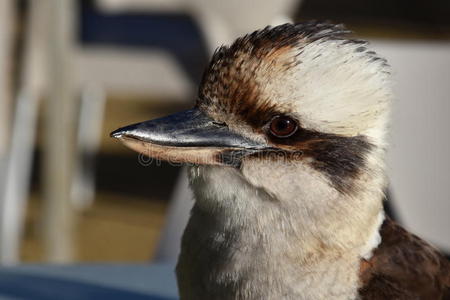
404,267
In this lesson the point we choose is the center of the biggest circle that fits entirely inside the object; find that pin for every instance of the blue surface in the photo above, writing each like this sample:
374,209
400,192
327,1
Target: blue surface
73,282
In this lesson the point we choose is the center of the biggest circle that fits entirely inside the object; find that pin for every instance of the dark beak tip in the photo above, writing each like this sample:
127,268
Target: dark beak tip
118,133
131,131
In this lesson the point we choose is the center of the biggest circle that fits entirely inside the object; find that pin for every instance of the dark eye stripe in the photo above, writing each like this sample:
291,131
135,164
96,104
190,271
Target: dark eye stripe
340,158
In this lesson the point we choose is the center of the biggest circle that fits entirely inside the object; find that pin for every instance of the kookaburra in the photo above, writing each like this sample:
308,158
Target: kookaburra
286,150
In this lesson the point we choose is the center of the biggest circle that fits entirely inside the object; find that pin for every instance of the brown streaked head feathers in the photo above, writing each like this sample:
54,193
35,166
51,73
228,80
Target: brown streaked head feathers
249,82
238,76
230,82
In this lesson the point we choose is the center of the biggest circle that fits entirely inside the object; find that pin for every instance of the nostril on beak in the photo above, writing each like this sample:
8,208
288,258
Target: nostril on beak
220,124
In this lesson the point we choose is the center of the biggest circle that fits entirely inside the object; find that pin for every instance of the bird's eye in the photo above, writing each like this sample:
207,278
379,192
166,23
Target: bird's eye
283,126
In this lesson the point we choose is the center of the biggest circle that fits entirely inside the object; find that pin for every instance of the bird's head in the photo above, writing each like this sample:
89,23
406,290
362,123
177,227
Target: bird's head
297,111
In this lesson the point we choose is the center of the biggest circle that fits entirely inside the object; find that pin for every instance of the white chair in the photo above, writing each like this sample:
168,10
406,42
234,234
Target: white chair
53,66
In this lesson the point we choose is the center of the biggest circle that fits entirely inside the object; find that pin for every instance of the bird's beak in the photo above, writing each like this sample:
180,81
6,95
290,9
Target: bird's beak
188,137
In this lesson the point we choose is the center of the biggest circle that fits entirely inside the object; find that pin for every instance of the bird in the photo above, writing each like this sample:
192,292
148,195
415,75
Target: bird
285,149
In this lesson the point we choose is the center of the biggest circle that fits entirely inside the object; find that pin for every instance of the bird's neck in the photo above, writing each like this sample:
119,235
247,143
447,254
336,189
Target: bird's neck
240,242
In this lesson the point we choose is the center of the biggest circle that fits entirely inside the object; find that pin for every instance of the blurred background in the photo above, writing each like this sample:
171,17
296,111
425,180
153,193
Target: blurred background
73,71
